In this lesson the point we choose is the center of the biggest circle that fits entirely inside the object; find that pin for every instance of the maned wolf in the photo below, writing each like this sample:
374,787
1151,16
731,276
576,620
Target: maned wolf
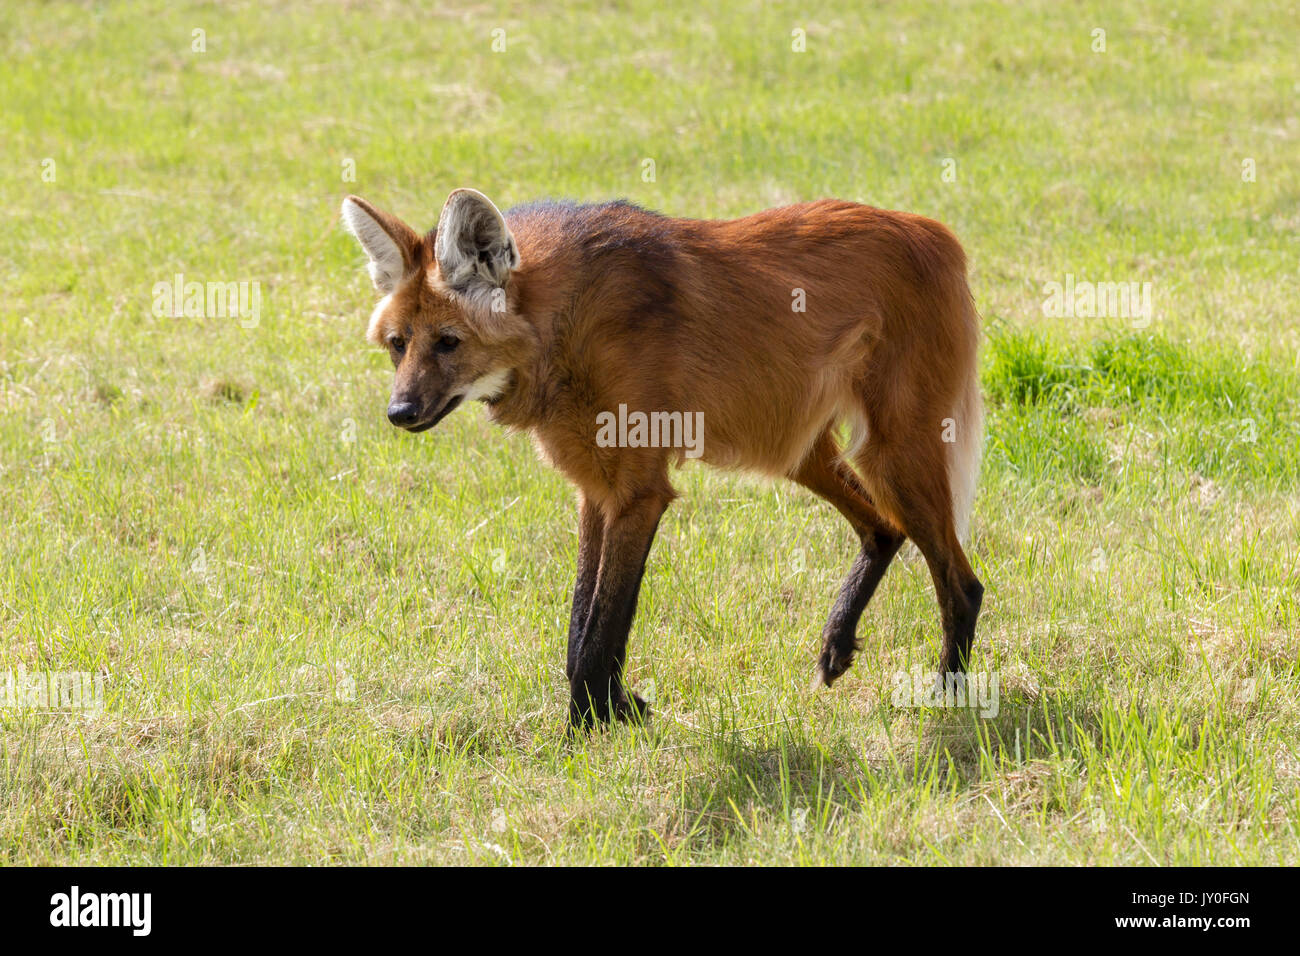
770,330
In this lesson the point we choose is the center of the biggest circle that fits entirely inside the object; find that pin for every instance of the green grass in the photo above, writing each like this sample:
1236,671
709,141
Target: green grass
324,640
1221,417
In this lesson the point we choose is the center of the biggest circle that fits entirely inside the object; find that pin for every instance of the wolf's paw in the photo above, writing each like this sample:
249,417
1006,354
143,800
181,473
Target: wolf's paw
632,709
830,667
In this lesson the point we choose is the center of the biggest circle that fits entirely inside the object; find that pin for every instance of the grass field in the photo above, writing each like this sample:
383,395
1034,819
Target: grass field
323,640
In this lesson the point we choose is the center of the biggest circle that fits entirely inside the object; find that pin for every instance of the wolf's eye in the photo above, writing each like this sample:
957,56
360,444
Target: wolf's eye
448,343
397,344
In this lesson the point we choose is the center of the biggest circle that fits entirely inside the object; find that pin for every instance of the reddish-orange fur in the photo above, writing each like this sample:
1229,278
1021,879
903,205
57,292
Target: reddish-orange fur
614,305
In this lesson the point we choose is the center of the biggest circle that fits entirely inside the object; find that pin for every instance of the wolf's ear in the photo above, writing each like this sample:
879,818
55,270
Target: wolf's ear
473,244
389,242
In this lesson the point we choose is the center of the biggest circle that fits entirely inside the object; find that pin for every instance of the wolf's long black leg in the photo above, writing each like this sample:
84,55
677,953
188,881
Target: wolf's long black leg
823,473
591,534
596,682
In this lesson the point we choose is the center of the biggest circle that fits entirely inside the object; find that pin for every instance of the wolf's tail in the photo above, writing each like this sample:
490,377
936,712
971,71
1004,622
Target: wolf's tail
964,453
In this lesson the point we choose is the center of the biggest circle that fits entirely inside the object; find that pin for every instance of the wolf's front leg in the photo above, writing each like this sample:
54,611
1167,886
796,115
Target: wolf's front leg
596,671
591,533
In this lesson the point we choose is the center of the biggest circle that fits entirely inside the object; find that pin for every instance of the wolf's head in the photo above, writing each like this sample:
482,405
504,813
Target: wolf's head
446,317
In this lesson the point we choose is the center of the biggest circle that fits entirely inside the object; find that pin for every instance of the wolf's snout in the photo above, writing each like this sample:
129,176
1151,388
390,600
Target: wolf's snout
403,413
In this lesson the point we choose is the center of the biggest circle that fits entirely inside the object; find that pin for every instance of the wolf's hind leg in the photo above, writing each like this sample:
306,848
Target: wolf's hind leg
824,473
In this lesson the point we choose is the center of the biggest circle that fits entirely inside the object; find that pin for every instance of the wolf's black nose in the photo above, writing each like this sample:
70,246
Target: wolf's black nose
403,413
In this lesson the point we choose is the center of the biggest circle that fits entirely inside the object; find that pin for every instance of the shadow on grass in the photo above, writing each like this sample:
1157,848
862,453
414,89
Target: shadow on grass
793,777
